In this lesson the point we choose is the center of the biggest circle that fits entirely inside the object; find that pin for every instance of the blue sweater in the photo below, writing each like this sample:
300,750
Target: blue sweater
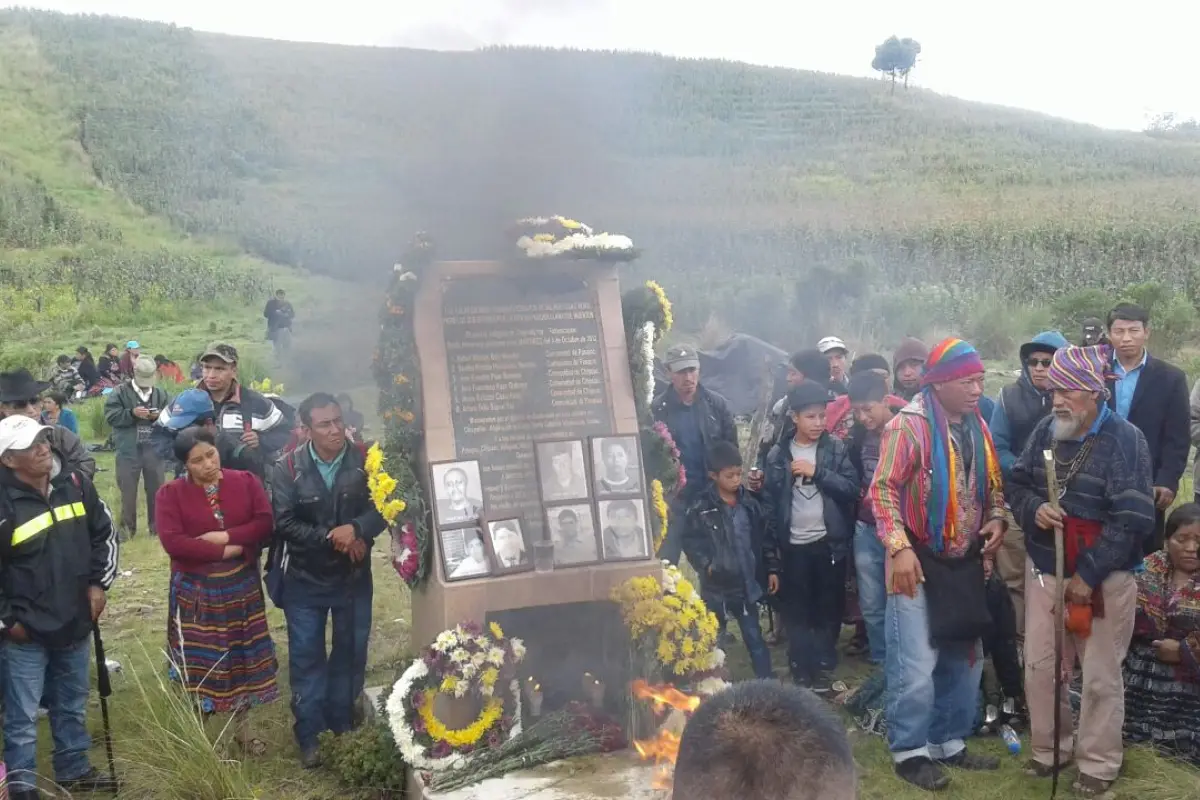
1114,487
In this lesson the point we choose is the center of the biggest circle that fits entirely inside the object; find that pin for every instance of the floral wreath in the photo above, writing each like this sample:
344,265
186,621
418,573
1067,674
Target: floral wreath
668,617
560,237
465,660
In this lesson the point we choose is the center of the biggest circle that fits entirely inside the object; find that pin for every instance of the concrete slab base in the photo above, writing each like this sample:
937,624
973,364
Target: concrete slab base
615,776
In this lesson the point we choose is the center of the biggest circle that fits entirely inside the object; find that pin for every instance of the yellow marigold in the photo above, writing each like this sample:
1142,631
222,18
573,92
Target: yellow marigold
392,510
374,458
659,502
496,630
449,684
492,710
407,416
665,651
663,303
490,676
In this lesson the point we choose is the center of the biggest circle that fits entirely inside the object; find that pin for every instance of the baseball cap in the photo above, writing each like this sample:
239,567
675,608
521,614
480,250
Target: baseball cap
18,432
682,357
222,350
807,394
831,343
188,407
145,372
132,345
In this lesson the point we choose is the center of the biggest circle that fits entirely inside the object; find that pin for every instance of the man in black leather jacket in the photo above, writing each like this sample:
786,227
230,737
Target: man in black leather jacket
320,567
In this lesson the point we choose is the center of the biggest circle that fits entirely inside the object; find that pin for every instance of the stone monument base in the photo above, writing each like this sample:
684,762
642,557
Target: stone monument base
616,776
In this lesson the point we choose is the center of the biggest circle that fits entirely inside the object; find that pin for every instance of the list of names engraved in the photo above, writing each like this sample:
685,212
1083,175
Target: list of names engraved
525,364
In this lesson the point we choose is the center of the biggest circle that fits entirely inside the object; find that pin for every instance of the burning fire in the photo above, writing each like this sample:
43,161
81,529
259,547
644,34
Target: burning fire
663,749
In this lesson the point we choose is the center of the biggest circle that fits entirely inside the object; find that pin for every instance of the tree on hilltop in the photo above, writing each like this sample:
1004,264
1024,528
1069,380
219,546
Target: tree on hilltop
896,57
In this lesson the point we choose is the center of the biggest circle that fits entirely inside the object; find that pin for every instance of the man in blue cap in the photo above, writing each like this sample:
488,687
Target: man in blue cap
129,358
194,408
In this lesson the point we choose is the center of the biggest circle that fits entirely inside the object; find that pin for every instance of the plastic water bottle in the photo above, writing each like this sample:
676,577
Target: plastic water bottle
1011,740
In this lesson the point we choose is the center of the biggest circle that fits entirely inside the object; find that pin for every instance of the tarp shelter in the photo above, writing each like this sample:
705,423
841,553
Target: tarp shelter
735,369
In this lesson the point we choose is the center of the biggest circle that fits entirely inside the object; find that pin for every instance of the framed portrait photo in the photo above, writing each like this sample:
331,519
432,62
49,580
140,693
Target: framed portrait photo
617,466
624,535
464,554
562,470
509,545
572,529
457,492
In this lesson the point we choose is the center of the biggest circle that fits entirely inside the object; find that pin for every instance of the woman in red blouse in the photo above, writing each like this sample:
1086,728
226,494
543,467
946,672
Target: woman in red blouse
212,522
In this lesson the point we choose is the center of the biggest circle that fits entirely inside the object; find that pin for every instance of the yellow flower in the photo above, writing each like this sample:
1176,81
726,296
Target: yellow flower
663,303
449,684
665,651
544,237
374,459
492,711
496,630
570,223
490,676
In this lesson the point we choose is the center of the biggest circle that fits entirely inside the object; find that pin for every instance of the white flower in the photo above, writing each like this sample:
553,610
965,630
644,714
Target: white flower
536,248
445,640
468,671
646,340
710,686
460,656
716,659
496,656
478,659
518,649
670,579
461,688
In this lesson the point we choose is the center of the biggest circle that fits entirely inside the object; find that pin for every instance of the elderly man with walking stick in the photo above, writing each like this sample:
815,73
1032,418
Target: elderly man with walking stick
1103,510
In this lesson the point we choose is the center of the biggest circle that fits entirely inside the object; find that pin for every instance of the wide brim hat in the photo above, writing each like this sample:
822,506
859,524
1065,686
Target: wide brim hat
20,385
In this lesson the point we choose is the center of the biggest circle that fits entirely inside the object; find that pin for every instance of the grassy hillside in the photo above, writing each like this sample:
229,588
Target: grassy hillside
82,264
746,179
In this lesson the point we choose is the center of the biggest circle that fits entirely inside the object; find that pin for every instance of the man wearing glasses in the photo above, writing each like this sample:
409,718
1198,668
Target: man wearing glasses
20,395
1020,408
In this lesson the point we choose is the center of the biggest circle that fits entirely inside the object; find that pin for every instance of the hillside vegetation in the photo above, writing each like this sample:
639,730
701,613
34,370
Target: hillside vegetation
751,189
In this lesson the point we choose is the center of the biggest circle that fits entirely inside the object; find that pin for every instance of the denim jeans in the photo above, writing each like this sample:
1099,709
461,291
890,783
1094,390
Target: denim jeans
325,687
813,584
932,694
869,566
746,615
63,675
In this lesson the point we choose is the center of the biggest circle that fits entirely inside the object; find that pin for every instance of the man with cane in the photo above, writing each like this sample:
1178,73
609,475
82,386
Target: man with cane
1103,511
58,558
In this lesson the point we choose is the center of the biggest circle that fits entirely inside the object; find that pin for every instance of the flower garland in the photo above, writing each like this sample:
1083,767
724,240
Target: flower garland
560,237
664,305
658,502
647,336
668,617
382,486
463,661
399,380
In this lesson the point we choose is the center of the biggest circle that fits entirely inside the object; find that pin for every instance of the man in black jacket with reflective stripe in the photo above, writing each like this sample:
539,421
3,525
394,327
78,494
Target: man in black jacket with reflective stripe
58,558
325,525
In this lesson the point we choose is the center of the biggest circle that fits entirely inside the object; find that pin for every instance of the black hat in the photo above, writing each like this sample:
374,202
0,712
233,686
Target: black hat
868,362
20,385
867,387
807,394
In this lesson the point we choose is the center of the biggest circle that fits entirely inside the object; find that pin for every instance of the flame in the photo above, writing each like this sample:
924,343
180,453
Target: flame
665,696
663,749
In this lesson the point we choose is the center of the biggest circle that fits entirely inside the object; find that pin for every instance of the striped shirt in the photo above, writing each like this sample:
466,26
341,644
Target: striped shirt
898,491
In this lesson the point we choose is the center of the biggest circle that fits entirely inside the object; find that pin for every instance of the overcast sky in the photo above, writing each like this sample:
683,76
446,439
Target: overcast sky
1112,64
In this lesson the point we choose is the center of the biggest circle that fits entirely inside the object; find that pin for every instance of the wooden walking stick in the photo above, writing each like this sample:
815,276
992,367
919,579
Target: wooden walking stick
1059,614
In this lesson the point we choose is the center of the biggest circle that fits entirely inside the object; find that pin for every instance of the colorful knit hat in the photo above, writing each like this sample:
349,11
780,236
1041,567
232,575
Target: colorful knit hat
1083,369
950,360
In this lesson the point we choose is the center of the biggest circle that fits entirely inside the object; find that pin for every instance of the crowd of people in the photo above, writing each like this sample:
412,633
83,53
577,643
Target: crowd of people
900,480
226,472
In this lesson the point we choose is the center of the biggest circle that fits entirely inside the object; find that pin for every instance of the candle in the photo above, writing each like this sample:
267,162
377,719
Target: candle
533,695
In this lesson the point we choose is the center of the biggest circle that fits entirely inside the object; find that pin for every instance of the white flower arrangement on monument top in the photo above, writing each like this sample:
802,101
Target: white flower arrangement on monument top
560,237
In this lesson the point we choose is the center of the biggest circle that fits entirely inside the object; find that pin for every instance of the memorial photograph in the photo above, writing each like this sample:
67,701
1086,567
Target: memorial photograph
616,466
573,531
562,471
464,554
457,491
509,546
623,526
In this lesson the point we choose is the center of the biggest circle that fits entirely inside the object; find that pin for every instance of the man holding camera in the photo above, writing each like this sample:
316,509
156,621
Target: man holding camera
131,410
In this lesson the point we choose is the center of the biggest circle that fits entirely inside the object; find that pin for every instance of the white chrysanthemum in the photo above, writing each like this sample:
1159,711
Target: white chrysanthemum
518,649
445,641
710,686
460,656
535,248
495,656
717,659
647,343
479,659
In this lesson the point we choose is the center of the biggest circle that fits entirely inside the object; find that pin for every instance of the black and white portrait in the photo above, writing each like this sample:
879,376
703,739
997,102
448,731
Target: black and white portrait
573,531
616,465
464,554
508,545
623,525
562,471
458,492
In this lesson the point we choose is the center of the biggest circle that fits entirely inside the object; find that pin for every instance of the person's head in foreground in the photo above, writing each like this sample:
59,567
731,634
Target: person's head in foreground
954,374
1078,380
763,740
196,449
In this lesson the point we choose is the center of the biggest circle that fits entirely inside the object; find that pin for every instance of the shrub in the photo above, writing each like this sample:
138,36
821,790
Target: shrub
367,758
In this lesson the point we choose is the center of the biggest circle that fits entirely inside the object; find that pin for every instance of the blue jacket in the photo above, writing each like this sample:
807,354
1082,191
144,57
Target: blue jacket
836,479
1021,404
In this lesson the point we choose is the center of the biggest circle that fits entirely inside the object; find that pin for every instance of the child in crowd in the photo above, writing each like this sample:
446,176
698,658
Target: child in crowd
724,537
810,493
873,409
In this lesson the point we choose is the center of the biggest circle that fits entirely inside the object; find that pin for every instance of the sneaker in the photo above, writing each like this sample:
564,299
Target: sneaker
923,773
822,684
972,762
311,758
93,781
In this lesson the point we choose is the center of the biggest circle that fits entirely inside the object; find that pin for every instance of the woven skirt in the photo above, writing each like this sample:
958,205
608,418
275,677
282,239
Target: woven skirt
221,649
1160,708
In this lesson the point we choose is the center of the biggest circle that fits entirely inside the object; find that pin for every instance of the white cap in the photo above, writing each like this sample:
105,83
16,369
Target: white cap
831,343
18,432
